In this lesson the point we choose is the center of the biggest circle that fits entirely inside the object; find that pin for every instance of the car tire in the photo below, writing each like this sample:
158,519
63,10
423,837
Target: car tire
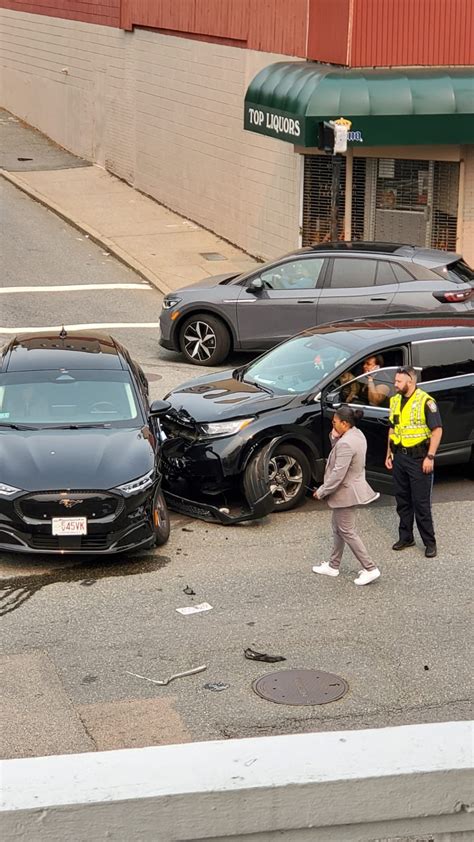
204,340
288,474
161,519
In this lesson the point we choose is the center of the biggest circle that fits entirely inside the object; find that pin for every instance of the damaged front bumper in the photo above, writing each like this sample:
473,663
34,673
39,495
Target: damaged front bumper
213,514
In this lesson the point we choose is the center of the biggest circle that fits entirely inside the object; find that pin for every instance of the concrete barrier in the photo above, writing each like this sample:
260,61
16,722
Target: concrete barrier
347,786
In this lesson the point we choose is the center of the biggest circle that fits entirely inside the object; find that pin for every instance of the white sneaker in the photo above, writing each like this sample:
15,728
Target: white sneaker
326,569
365,577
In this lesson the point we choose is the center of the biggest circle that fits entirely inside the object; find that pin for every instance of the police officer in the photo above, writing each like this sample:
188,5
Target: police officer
413,439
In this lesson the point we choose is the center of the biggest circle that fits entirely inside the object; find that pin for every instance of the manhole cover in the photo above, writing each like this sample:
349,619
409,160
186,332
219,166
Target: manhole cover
300,687
151,377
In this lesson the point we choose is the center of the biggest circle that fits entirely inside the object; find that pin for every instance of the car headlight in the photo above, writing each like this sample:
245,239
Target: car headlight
225,428
136,485
170,301
8,490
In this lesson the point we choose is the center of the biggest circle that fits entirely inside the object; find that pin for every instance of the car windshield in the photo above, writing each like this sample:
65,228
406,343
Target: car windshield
297,366
68,398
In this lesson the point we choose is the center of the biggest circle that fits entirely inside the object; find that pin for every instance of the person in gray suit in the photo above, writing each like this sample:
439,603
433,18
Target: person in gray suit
345,487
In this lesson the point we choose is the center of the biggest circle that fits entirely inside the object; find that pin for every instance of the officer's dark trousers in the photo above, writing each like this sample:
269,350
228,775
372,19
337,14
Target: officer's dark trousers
413,495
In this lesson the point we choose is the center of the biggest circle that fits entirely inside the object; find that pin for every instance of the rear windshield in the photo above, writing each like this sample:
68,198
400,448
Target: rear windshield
459,272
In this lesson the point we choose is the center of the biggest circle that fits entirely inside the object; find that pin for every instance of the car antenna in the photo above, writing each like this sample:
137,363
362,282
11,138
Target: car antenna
63,332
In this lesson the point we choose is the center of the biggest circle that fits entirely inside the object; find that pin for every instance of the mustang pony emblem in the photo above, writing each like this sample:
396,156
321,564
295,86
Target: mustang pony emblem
69,504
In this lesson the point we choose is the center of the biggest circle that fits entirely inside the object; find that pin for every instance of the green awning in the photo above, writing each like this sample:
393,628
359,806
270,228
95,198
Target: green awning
287,100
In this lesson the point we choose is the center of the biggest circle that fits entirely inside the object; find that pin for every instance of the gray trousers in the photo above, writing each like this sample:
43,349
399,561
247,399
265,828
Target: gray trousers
344,532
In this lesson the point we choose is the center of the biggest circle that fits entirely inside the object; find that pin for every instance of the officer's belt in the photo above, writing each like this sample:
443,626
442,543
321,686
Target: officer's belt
415,451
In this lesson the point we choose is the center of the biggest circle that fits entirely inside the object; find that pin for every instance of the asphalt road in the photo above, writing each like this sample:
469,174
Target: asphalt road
72,629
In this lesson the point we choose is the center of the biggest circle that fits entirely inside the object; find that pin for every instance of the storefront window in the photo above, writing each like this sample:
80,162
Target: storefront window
402,185
394,200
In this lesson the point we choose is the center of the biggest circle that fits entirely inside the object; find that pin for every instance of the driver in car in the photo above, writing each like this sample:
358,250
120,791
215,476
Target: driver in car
297,275
371,394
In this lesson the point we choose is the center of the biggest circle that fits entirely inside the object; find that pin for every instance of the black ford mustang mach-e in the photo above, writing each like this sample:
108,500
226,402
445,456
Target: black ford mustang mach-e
79,448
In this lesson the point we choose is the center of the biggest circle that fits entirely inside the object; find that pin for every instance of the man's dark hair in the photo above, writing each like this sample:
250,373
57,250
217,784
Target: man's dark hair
407,369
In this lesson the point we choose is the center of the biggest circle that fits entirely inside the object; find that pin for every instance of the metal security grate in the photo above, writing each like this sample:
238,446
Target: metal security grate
359,200
445,205
317,200
393,200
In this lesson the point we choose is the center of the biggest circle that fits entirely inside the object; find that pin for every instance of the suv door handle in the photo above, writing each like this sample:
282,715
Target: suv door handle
379,299
305,301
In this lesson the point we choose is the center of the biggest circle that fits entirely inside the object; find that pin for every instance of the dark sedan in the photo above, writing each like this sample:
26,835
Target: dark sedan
311,286
79,448
220,424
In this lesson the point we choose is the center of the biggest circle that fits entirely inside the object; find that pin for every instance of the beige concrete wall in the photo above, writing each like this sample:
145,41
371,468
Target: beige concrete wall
164,113
467,204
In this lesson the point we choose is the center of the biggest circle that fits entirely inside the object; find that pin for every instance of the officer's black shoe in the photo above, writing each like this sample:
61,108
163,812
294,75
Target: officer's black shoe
431,551
402,545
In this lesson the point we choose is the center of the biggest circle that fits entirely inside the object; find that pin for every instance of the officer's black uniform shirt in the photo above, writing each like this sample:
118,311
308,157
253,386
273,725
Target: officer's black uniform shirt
432,414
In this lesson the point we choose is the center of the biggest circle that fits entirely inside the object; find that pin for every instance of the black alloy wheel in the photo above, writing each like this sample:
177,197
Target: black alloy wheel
204,340
288,477
161,519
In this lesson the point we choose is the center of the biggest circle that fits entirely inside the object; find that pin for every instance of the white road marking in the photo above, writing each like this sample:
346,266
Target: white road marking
69,287
56,328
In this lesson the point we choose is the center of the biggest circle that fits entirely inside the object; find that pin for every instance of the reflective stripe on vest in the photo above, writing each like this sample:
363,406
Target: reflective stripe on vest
411,428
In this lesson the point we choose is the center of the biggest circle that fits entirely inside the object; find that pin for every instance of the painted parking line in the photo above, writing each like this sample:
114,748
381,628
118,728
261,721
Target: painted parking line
70,287
12,331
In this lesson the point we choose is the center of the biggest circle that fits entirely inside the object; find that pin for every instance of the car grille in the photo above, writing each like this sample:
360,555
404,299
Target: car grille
94,505
84,542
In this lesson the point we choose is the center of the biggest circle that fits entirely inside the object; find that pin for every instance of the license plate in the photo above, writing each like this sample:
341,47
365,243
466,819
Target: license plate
69,526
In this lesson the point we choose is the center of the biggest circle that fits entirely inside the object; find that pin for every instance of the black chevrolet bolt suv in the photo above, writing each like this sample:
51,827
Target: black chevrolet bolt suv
79,448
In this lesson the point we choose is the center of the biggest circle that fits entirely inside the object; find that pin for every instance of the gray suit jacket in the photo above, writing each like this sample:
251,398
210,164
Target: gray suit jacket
344,478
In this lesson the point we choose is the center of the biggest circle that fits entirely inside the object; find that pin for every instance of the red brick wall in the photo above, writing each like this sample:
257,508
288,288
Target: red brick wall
106,12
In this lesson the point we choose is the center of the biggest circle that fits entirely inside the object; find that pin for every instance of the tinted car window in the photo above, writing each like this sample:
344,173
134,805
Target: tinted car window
459,272
356,391
299,274
401,274
444,359
384,273
347,273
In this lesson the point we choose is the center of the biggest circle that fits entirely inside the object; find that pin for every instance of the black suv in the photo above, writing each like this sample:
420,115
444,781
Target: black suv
220,423
311,286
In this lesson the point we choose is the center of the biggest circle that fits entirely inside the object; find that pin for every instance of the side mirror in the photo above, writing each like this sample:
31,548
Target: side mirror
158,408
332,399
256,285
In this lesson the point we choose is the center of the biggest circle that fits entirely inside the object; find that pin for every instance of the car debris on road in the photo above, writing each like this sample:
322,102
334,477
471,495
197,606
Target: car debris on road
171,678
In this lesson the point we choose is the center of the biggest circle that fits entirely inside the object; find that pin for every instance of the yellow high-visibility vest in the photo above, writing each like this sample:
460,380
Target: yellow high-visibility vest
409,424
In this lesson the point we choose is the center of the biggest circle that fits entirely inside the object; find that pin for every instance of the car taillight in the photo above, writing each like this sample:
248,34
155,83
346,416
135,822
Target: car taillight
451,297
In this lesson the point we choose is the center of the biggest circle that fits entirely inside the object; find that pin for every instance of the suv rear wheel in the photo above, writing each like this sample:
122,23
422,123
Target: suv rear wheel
204,340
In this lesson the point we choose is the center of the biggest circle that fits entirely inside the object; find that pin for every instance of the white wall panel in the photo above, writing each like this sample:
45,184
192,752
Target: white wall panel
164,113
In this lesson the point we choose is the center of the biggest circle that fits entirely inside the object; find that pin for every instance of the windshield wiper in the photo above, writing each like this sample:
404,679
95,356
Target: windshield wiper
18,426
100,426
259,386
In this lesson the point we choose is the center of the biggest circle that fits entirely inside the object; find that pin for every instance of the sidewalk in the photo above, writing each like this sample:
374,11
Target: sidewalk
160,245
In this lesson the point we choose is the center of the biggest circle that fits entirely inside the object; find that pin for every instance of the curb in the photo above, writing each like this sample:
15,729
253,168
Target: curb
96,237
